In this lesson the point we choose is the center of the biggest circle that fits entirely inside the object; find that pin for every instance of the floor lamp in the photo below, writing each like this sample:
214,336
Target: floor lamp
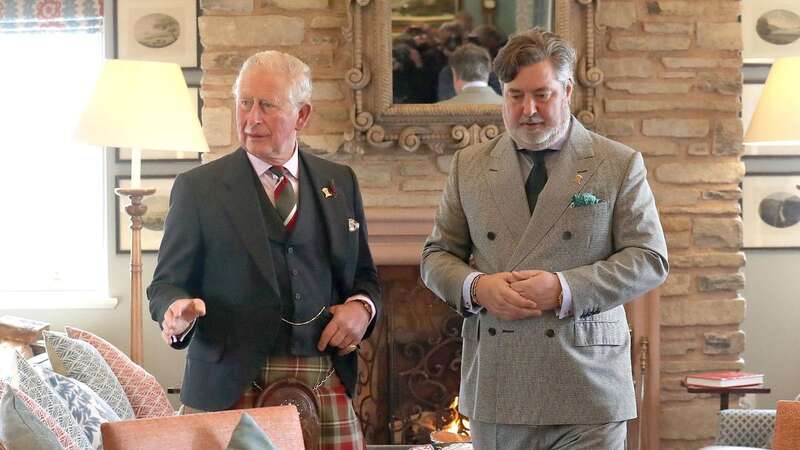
776,120
140,105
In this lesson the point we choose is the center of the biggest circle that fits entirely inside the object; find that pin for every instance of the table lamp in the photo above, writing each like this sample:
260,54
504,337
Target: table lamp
140,105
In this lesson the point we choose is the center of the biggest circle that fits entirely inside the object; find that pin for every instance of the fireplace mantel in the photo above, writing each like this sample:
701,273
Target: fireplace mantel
396,235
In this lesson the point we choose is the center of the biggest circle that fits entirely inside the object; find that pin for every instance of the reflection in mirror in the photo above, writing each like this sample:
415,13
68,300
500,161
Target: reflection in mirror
427,33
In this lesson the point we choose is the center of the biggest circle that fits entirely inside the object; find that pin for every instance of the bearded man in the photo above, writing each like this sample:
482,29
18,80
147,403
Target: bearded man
542,235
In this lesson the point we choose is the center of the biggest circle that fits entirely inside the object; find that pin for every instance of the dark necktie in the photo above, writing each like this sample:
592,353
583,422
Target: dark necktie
285,198
537,178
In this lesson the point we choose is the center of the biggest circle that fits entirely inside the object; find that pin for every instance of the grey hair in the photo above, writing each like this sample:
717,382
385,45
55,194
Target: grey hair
534,46
298,72
471,63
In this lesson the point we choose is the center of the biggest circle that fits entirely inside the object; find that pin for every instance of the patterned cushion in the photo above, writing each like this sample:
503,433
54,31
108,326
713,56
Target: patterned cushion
79,360
147,397
63,438
746,427
37,389
20,428
88,409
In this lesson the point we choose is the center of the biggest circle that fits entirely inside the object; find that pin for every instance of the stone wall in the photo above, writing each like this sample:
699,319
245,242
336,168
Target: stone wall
673,80
671,90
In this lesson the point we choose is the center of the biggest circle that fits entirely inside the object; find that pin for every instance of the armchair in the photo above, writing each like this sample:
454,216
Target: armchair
746,429
205,431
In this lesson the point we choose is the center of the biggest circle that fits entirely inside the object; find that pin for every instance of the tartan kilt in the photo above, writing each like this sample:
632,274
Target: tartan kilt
340,428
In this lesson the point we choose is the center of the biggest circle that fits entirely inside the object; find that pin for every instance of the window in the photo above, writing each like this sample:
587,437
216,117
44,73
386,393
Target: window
52,231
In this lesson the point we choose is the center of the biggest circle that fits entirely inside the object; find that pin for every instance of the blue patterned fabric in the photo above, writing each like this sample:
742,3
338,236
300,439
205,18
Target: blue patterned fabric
746,427
88,409
249,436
51,15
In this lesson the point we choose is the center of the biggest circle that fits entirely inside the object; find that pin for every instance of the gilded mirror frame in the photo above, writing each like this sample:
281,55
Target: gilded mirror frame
378,123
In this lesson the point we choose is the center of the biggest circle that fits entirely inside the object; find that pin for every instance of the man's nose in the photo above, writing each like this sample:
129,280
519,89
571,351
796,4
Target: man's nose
254,115
528,106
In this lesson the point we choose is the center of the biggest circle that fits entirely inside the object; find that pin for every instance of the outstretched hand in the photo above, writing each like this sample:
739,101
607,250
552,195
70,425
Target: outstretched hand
494,292
180,314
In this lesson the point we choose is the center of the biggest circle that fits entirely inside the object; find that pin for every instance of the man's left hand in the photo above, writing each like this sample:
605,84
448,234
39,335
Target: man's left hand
347,327
537,285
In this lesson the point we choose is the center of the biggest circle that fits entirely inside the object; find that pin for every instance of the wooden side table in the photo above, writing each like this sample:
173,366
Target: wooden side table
725,392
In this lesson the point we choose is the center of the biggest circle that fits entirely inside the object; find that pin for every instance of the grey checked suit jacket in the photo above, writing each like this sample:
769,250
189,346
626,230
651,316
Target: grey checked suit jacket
545,370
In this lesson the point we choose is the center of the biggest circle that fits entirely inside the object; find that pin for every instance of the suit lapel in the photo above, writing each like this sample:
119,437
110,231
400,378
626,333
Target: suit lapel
240,199
575,158
507,187
333,207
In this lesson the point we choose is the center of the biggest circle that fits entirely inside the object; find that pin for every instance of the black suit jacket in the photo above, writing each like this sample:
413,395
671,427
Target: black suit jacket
215,247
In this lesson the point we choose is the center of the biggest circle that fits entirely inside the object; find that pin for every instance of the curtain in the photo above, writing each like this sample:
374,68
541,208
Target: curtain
51,15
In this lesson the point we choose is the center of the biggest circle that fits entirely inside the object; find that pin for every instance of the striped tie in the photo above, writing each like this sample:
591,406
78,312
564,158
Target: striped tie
285,198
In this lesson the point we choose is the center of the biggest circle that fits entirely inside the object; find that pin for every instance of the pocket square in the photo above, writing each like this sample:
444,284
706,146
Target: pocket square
584,199
353,225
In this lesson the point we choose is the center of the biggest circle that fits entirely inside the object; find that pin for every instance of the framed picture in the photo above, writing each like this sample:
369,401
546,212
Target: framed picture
771,210
157,30
153,220
124,154
771,29
750,95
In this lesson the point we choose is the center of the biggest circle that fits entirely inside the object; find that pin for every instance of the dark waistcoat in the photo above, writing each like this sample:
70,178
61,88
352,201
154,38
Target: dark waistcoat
303,269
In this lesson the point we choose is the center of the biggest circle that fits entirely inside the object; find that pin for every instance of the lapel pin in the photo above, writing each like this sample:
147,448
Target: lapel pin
329,191
578,179
353,225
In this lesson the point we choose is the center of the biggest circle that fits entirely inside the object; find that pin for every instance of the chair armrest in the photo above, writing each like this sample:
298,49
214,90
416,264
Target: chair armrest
204,431
746,427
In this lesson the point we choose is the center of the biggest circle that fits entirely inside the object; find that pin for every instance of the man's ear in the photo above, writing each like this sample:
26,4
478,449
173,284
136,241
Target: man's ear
568,87
303,116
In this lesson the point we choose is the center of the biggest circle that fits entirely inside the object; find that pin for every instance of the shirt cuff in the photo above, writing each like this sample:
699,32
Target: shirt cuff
566,298
364,298
465,294
180,337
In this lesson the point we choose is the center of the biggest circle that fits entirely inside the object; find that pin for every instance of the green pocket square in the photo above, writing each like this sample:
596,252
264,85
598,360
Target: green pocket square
584,199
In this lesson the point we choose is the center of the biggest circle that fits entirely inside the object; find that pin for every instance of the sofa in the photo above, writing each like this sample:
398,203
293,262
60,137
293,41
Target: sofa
76,391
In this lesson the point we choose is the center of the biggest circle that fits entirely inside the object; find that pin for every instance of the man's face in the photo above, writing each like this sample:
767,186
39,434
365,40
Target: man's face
536,106
266,121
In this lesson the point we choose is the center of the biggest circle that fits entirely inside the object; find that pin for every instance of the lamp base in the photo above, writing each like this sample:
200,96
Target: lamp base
136,209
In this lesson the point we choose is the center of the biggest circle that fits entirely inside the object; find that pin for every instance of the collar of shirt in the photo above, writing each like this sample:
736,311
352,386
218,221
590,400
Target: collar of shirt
469,84
261,166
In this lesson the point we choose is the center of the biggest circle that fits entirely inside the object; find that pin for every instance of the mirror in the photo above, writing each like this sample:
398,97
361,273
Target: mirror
425,33
380,122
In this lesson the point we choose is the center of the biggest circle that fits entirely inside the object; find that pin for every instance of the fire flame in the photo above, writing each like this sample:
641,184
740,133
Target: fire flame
459,425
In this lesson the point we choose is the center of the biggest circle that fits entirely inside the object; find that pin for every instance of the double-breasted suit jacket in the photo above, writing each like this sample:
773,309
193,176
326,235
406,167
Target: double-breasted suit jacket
546,370
216,248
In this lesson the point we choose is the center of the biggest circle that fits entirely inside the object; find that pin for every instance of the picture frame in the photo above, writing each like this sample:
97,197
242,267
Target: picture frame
157,30
124,154
153,220
751,92
771,210
770,29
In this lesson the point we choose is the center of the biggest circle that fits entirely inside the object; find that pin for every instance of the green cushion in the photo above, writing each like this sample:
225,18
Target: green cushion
20,428
249,436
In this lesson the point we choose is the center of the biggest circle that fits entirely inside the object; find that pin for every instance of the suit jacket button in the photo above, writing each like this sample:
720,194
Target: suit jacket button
550,333
297,296
492,331
567,235
490,235
290,250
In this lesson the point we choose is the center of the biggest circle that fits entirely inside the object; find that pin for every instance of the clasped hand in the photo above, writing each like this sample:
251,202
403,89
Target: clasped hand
518,295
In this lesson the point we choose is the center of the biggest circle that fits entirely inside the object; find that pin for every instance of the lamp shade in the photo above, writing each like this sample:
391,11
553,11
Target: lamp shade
142,105
776,120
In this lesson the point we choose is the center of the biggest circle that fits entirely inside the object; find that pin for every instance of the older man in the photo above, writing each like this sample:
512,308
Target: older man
562,229
471,67
264,269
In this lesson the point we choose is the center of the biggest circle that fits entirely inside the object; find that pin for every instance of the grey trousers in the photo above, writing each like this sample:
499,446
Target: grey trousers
498,436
